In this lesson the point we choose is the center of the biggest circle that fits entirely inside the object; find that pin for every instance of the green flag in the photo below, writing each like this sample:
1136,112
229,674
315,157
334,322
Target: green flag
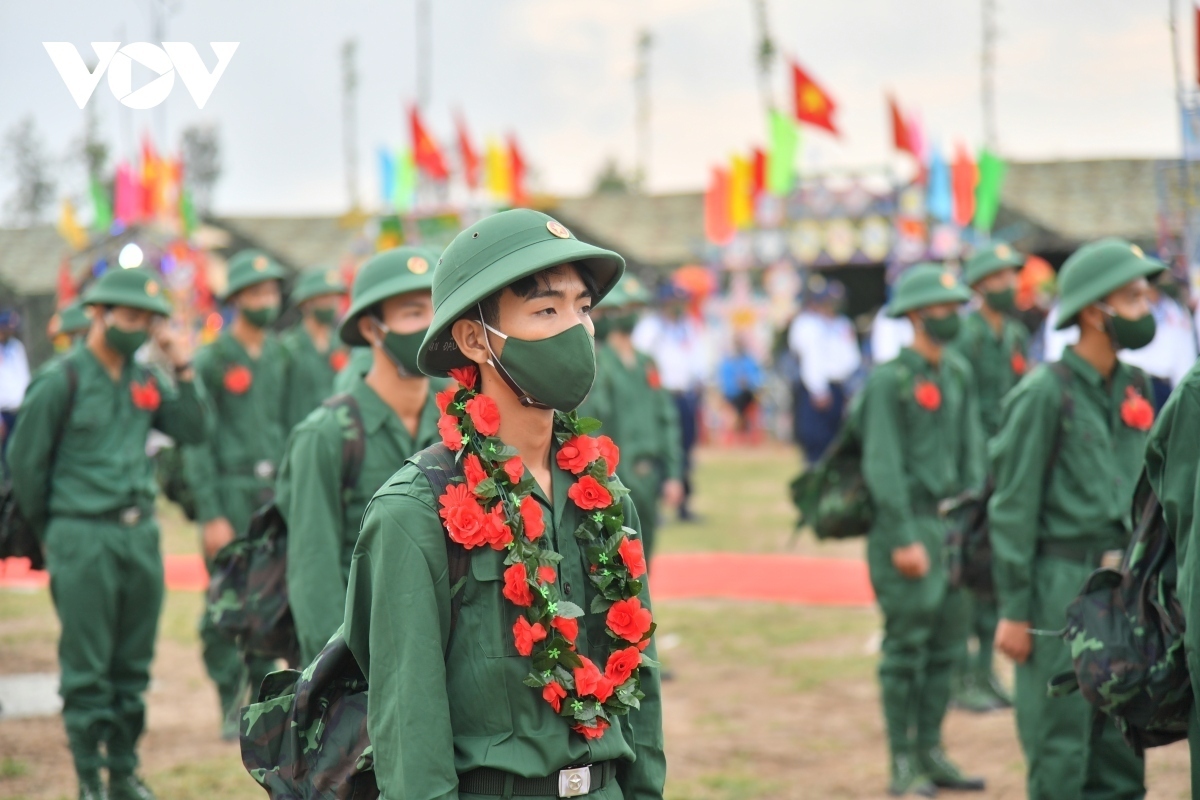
987,191
101,207
187,212
785,144
405,184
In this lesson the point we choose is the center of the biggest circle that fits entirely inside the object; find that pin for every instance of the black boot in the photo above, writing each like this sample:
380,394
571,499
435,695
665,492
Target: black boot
907,778
943,772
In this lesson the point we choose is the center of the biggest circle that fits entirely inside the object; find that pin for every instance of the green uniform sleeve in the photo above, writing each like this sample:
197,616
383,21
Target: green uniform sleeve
672,438
309,495
1173,459
31,447
199,461
182,413
398,615
1019,453
883,460
974,457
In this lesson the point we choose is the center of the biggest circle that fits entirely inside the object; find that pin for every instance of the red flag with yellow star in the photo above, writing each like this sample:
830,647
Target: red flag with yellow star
813,104
426,153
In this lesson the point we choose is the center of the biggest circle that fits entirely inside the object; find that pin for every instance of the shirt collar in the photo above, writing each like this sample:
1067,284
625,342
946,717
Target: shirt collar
376,413
1082,369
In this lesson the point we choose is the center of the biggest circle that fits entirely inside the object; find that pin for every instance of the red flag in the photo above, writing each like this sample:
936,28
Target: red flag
426,154
813,104
66,284
517,166
964,177
470,156
760,171
901,139
718,223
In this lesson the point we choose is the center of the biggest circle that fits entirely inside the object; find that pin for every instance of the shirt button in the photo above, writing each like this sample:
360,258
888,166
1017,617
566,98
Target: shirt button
567,589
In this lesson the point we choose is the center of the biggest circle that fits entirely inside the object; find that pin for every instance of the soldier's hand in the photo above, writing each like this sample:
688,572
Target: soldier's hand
911,561
217,533
174,342
672,492
1014,640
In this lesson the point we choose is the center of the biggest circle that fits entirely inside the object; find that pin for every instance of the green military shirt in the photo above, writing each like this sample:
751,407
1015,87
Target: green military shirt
311,372
229,473
322,518
997,362
101,464
361,360
1086,497
914,456
442,705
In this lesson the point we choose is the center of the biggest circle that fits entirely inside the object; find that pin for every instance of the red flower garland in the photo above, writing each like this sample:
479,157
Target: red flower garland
928,395
1136,411
493,505
145,395
238,379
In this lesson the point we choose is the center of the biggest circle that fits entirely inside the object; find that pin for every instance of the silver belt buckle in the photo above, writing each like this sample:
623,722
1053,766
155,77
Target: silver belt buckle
131,515
574,782
1112,559
264,469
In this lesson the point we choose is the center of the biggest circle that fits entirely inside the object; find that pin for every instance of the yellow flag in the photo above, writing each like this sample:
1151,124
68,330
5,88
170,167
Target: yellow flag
741,193
70,228
499,171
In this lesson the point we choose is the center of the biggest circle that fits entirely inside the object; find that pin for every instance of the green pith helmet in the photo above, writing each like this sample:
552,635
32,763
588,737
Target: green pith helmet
133,288
629,291
492,254
926,285
383,275
1095,271
990,261
250,267
318,282
72,319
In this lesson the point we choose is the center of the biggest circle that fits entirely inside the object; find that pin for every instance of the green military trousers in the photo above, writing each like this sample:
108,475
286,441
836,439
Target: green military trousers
1067,759
644,481
924,624
106,580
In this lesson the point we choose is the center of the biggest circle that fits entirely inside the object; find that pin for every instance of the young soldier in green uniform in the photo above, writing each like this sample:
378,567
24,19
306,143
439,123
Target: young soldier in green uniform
453,708
995,345
315,357
83,481
390,311
69,326
1065,464
232,473
922,443
638,414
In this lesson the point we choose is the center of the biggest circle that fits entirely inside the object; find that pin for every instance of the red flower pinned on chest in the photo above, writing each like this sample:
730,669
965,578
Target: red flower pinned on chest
145,395
1019,367
1136,411
927,395
652,378
485,414
238,379
338,359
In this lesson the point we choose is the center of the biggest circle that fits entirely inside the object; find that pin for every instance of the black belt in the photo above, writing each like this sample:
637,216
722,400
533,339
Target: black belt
1087,553
122,516
565,783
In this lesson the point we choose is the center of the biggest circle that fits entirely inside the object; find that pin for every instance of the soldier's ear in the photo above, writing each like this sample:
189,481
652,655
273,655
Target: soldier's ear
367,330
468,335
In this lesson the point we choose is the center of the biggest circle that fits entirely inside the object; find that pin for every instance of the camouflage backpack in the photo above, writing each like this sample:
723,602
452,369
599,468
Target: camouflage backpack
1125,631
306,737
831,495
248,593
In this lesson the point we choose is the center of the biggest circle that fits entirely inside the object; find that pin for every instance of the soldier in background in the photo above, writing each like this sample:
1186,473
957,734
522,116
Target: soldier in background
316,358
68,326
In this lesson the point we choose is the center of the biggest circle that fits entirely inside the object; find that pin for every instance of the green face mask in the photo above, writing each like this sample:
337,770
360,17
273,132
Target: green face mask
625,323
401,349
1003,301
603,326
1130,334
942,329
325,316
124,342
556,372
261,317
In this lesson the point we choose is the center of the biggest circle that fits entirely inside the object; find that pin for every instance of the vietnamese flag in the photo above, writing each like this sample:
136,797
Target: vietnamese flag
66,289
901,139
760,172
517,167
468,153
426,153
718,223
964,179
813,104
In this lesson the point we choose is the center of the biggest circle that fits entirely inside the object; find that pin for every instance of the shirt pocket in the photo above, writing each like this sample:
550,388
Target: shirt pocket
486,615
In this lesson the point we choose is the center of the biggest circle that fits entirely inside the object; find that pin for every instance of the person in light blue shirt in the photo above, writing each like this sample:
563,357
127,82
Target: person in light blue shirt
740,378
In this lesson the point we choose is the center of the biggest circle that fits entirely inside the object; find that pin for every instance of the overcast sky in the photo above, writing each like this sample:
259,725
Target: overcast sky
1075,79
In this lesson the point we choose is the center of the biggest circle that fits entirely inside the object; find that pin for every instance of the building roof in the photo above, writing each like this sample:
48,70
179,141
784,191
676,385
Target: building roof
29,259
653,231
300,242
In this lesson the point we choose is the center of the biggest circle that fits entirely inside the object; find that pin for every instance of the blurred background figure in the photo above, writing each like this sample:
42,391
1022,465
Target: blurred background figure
14,372
1172,352
68,326
740,378
888,337
825,343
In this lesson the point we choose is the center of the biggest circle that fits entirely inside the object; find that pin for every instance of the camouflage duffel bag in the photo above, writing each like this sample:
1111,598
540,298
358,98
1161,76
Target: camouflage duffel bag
306,737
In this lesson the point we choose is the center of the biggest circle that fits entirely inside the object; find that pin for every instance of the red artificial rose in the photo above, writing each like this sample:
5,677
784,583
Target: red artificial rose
628,620
516,586
484,412
642,645
526,635
514,468
590,680
553,693
928,395
1019,365
610,453
577,453
497,532
338,359
145,395
444,398
466,376
634,557
531,517
451,435
473,469
1136,411
652,378
621,665
569,628
238,379
547,575
588,494
466,523
591,731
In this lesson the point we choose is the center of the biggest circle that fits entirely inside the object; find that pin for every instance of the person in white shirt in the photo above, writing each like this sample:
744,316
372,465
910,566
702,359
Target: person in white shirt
827,347
678,344
14,371
889,336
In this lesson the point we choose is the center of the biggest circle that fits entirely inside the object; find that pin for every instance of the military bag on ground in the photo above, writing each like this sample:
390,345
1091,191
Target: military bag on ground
1125,631
306,737
831,496
17,539
248,593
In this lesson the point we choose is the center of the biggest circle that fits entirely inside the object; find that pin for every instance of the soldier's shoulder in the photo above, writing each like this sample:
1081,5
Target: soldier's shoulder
407,484
322,421
957,361
1190,383
55,373
1041,384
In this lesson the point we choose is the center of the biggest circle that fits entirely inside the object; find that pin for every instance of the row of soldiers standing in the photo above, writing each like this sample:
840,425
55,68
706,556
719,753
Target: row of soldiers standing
85,485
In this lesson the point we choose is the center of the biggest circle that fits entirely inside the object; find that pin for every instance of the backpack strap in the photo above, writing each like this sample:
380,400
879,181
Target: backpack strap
72,386
354,438
1066,409
440,466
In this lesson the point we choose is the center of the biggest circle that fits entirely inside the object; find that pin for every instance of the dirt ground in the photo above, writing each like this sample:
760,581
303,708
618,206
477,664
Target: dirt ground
765,701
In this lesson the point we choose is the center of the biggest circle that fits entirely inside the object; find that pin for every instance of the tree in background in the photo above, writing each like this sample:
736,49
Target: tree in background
201,164
26,162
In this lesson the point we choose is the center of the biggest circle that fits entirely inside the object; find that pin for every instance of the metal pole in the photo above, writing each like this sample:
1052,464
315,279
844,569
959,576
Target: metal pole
641,82
765,55
350,120
424,54
988,75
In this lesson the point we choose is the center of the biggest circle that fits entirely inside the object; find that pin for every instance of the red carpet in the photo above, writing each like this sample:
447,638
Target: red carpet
770,578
